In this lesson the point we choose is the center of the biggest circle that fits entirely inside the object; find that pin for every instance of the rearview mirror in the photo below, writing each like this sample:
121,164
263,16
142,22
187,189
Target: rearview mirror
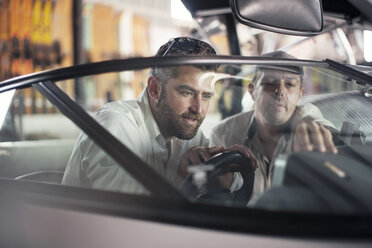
293,17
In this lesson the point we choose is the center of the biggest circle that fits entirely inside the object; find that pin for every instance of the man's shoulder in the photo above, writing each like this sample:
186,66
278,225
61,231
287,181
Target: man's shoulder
235,121
120,107
312,111
232,130
119,111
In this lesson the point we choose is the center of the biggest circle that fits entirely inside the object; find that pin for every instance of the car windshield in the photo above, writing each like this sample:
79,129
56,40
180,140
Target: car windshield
155,114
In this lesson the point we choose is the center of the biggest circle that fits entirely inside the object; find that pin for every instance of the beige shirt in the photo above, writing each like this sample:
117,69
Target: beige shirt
240,129
133,124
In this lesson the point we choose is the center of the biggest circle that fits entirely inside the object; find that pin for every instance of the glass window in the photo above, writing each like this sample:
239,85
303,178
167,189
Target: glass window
184,107
34,135
37,143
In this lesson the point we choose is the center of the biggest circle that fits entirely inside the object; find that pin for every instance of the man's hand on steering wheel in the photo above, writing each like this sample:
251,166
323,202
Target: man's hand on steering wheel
227,179
246,152
198,155
195,156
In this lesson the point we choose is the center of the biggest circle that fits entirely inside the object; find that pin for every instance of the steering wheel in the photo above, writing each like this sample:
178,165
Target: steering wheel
217,166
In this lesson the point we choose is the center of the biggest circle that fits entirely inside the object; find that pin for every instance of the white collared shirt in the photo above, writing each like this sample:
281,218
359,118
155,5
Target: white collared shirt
132,122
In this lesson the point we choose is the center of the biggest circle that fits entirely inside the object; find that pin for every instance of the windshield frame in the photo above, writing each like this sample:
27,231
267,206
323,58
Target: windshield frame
120,65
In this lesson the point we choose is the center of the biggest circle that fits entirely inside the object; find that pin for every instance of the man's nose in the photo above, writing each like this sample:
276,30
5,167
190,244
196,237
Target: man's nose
279,90
196,104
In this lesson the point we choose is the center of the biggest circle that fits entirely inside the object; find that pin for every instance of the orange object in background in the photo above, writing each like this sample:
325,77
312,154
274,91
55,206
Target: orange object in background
15,46
4,41
35,35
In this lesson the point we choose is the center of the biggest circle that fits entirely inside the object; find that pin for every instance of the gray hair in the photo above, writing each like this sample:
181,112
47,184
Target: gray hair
164,73
182,46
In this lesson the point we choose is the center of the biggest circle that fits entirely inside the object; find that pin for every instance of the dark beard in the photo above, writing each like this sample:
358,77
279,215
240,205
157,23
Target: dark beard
173,124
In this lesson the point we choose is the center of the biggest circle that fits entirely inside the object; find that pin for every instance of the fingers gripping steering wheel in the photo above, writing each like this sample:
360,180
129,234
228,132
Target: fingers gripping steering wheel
211,170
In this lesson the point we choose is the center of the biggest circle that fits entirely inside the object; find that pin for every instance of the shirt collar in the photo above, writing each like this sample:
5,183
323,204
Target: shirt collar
151,125
252,130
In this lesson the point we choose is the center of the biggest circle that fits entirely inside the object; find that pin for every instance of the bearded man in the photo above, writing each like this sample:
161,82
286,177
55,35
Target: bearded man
160,126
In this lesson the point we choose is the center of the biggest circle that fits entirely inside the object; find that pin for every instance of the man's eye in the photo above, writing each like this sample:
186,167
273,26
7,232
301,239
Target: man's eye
207,96
290,84
186,93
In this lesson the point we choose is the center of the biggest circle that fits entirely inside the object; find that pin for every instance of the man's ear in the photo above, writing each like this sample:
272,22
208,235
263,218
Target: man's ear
302,92
251,90
153,88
